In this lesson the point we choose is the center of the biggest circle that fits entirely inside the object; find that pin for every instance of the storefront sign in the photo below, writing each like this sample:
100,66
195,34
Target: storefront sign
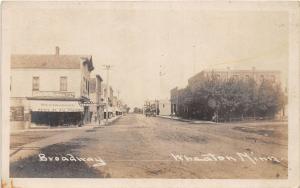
55,106
88,103
53,94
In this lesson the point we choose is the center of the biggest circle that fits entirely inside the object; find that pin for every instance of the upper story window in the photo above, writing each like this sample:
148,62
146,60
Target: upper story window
36,83
63,83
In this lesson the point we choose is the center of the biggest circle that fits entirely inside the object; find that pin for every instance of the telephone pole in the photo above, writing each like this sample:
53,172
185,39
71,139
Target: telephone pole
161,87
107,68
118,102
118,91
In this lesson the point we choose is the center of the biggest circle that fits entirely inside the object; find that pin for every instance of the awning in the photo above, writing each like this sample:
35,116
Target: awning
109,109
55,106
118,110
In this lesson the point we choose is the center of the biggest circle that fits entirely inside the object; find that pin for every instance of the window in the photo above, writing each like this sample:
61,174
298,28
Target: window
63,83
17,113
35,83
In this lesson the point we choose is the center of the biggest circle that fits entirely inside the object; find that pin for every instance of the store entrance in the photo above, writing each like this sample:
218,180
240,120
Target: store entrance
56,118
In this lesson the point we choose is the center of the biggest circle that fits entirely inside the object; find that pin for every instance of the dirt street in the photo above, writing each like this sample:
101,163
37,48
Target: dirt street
136,146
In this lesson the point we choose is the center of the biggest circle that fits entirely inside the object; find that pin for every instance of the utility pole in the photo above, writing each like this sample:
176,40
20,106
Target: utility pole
118,91
118,101
107,68
161,89
161,74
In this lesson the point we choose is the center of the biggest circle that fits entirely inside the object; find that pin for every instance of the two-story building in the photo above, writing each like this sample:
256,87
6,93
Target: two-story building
257,75
50,90
97,99
107,96
180,97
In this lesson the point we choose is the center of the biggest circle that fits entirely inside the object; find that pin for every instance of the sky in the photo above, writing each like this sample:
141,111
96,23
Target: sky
140,43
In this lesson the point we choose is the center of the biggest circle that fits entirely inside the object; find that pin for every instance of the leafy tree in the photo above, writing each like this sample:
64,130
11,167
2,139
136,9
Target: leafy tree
230,98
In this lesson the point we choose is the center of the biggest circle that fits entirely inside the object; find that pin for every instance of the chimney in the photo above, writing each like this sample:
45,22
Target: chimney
56,50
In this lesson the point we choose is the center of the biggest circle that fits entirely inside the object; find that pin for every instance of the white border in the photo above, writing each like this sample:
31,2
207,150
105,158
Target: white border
294,77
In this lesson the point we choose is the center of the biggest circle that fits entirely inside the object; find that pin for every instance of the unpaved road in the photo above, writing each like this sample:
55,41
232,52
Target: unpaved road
136,146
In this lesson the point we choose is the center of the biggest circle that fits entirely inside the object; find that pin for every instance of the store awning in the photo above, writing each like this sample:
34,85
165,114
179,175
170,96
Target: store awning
109,109
55,106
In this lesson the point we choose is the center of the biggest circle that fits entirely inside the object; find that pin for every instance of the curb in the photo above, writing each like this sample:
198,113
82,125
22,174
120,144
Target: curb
86,127
53,129
189,121
109,123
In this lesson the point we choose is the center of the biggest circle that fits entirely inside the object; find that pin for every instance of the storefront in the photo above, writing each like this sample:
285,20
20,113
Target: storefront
110,112
118,111
56,113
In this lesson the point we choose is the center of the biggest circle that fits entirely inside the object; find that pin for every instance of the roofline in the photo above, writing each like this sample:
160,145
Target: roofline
98,76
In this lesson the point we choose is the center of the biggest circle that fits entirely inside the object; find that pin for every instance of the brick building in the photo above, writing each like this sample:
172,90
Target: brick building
180,97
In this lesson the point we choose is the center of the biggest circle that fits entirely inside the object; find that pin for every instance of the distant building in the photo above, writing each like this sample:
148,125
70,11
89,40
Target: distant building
115,105
257,75
50,90
179,97
119,110
164,107
108,98
176,100
97,105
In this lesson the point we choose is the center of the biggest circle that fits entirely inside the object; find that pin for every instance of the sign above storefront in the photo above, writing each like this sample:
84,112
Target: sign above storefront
53,94
55,106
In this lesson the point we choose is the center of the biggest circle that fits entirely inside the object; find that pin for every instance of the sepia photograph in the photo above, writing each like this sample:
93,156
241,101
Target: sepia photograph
165,90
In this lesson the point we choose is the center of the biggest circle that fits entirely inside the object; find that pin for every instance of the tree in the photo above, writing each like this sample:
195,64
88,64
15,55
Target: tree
230,98
270,99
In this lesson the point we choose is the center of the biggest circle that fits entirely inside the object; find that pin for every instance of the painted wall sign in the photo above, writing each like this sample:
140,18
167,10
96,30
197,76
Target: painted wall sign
55,106
53,94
